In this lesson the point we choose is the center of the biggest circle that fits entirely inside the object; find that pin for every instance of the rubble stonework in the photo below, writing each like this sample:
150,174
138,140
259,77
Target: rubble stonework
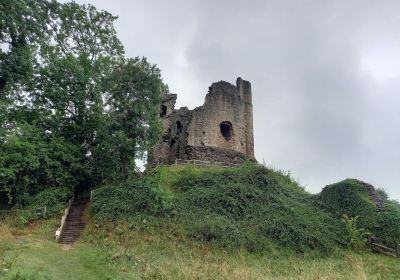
219,130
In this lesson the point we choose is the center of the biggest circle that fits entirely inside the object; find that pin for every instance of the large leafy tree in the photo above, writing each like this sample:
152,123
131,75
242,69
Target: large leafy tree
132,127
22,26
65,83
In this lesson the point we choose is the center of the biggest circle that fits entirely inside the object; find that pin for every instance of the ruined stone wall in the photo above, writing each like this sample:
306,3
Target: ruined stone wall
219,130
215,154
245,87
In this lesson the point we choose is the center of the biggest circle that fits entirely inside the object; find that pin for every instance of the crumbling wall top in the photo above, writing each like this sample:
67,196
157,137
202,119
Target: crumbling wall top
223,123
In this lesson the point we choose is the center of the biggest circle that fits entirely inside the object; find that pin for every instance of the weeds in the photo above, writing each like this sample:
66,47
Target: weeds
355,237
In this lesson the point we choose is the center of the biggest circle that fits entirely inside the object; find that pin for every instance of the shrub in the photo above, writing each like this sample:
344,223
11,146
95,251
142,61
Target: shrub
350,197
355,237
54,199
248,206
389,224
124,202
32,207
257,205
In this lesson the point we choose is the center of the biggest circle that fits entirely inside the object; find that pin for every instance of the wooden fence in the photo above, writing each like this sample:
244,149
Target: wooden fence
203,163
35,212
379,248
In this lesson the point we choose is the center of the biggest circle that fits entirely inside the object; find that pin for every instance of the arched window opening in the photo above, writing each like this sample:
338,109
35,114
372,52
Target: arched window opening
163,111
226,130
178,127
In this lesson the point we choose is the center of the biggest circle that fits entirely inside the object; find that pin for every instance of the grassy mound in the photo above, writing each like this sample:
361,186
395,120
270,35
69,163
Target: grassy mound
248,206
122,253
353,198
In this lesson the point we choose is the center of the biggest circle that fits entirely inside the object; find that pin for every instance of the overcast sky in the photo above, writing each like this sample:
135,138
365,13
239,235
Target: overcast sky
325,75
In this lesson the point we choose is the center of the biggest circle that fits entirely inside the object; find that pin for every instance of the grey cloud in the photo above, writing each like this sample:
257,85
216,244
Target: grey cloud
316,111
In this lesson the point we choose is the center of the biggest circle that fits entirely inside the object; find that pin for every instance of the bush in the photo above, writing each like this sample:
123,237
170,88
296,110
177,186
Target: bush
355,237
55,200
248,206
350,197
124,202
31,162
389,221
32,207
259,203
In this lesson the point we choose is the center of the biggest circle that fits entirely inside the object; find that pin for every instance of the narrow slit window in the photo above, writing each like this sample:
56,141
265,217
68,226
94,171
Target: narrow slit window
178,127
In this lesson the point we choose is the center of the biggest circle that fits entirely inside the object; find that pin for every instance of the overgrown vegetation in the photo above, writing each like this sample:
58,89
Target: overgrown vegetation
45,204
355,237
73,110
75,113
349,197
126,252
249,206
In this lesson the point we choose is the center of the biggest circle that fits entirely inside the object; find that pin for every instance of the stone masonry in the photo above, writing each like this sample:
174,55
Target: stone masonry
221,130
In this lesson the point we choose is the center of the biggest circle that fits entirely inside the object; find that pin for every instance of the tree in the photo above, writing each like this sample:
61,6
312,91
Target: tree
31,162
65,82
22,25
133,102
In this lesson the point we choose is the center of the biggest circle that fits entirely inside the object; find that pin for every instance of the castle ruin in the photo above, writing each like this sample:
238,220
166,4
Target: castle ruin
221,130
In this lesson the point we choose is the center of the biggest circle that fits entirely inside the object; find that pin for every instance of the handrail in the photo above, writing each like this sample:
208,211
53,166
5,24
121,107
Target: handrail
60,230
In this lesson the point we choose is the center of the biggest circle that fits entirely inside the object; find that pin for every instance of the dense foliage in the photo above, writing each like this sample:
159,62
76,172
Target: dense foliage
350,197
73,110
249,206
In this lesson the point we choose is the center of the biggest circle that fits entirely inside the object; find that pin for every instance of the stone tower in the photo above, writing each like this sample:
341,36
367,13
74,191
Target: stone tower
220,130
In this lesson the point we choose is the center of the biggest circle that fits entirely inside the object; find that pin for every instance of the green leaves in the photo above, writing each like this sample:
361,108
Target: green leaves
244,207
351,197
133,100
30,162
73,110
355,236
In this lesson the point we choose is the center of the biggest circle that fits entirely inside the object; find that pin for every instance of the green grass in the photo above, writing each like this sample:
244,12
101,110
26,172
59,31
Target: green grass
248,206
45,259
34,254
247,222
108,252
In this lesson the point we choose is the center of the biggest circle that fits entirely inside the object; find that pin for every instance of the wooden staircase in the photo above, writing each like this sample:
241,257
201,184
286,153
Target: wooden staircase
74,223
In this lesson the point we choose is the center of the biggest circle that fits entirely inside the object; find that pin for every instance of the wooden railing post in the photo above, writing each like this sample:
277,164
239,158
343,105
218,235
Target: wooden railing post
202,163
